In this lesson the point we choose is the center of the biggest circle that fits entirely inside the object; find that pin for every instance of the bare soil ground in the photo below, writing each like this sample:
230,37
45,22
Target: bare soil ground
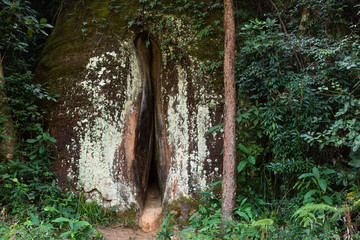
149,222
119,233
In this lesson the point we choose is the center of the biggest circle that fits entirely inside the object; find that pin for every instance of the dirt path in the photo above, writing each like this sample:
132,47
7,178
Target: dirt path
119,233
149,222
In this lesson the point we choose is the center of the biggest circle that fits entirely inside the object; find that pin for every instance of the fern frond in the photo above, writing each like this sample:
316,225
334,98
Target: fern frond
310,213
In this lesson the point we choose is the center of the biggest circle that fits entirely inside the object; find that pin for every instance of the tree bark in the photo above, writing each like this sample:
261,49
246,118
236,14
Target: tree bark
304,20
229,162
8,145
1,72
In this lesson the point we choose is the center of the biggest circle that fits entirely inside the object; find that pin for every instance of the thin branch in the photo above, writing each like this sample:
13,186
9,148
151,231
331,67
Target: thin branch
280,19
57,13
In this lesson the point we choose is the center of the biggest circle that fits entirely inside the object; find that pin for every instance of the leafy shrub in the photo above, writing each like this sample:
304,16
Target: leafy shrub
297,71
32,205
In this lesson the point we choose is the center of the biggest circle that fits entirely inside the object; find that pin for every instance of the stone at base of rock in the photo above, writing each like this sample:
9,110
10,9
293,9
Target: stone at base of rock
149,221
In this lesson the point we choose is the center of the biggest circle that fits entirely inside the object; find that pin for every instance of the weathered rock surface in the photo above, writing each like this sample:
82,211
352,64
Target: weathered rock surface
126,101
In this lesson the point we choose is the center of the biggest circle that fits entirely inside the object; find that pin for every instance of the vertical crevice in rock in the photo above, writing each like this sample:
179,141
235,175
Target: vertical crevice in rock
159,140
149,145
145,127
148,142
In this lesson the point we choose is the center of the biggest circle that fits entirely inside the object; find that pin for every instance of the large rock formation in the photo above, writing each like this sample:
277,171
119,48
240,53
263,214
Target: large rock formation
130,98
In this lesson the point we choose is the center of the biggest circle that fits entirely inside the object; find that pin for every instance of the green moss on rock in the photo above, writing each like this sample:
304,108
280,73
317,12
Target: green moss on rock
182,209
66,52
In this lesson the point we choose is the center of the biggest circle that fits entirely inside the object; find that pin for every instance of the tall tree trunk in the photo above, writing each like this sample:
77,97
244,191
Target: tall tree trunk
1,72
229,162
8,145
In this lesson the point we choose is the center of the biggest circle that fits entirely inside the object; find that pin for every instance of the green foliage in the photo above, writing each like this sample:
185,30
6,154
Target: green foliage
297,71
318,182
244,210
27,181
95,213
78,229
18,24
32,205
300,91
207,223
22,34
316,214
196,22
166,228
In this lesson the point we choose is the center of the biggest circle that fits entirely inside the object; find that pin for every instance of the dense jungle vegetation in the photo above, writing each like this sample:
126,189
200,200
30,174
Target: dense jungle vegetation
298,77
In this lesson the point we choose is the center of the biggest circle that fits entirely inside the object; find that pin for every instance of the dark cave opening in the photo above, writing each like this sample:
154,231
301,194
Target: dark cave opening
153,187
153,181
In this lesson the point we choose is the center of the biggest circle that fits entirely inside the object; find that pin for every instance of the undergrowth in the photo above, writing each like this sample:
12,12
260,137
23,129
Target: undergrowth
297,74
298,125
32,205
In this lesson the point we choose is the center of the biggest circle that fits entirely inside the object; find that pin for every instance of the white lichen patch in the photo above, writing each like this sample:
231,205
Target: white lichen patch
202,124
178,136
187,174
100,128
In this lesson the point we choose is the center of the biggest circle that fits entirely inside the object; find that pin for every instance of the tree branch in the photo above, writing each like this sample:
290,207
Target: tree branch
278,13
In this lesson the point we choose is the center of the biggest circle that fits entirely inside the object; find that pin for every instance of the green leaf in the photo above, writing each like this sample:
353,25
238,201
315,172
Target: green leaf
264,222
251,160
328,171
35,219
66,234
31,140
80,224
38,126
5,136
214,128
46,25
327,200
187,230
304,175
7,2
214,222
354,163
243,148
43,32
322,184
43,20
83,223
5,175
309,194
28,223
243,215
316,172
50,209
46,136
61,219
42,149
241,166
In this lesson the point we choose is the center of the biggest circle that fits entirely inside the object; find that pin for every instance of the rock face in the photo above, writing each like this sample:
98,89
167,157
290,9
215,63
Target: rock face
128,107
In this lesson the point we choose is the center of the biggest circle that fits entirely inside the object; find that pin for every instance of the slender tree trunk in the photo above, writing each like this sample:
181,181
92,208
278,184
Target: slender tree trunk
304,19
1,71
229,163
8,146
